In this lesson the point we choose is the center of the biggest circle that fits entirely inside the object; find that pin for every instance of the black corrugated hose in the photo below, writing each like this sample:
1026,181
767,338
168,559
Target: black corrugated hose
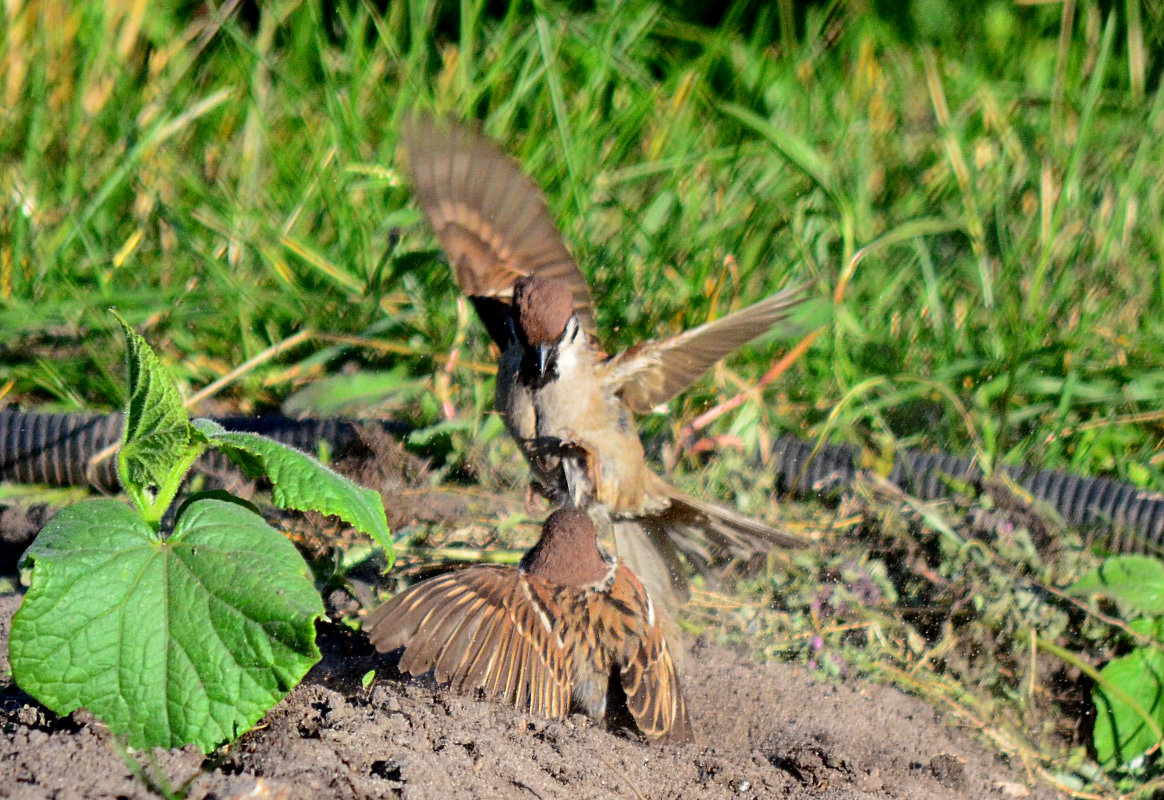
56,449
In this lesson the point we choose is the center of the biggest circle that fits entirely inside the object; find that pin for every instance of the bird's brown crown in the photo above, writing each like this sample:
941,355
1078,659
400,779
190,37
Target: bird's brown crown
544,306
567,554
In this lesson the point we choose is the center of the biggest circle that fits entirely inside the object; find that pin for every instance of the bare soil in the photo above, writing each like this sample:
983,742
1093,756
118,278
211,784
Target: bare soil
764,730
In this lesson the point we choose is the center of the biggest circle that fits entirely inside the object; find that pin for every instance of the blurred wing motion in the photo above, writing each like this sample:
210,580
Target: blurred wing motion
655,371
479,628
490,217
650,538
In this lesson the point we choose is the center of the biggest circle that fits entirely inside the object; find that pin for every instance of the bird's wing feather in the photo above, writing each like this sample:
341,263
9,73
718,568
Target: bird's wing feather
655,371
654,695
490,217
479,628
709,534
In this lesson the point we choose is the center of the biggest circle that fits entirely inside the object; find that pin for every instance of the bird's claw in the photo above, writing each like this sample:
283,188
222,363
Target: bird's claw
582,470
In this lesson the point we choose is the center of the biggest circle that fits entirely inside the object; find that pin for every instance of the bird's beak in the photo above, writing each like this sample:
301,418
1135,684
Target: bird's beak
544,355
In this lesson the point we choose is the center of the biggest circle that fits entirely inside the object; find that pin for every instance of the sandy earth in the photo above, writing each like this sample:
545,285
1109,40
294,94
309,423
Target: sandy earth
763,731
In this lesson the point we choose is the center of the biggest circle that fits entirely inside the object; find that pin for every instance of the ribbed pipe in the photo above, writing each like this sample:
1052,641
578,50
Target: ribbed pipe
57,449
1135,516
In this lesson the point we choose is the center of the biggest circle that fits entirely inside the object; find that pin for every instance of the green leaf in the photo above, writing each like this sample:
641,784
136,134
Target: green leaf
424,437
1129,702
1151,627
158,443
186,640
299,481
350,394
1137,581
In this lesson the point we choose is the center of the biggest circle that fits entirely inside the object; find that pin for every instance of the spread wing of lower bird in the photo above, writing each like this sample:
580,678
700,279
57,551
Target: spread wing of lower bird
647,670
479,628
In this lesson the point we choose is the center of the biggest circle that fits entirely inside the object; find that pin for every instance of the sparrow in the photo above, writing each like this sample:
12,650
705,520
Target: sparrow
556,389
570,628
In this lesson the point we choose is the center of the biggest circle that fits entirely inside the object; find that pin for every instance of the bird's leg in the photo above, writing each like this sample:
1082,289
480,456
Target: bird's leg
581,469
533,490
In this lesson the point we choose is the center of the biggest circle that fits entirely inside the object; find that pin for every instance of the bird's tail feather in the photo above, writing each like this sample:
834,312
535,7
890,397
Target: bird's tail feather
646,548
711,536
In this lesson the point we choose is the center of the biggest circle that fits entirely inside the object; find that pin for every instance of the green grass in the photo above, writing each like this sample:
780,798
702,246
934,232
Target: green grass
226,178
227,183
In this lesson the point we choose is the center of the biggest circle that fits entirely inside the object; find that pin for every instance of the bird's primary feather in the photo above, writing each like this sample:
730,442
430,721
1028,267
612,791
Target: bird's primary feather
490,217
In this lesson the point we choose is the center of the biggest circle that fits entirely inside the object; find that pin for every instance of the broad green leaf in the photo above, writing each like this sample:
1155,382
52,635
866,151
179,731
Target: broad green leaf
1122,733
186,640
1151,627
1137,581
158,443
299,481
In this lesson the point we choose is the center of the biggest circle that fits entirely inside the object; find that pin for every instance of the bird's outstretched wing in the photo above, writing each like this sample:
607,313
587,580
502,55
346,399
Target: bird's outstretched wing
480,628
647,671
655,371
490,217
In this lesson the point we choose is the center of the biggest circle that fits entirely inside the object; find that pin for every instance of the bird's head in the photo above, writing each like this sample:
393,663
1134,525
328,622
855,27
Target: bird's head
567,554
544,311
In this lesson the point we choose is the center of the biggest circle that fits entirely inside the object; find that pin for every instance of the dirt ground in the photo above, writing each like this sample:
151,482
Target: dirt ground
764,730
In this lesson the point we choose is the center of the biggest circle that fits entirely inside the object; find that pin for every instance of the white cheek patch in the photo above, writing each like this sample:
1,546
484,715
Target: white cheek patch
570,347
568,360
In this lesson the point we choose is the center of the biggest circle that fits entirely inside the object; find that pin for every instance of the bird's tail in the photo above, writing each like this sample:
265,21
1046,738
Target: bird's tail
711,537
645,547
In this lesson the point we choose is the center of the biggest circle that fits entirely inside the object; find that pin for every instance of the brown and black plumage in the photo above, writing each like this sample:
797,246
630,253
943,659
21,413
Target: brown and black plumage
491,220
569,629
555,387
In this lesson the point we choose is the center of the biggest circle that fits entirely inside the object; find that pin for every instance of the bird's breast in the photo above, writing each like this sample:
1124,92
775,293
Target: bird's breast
574,408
